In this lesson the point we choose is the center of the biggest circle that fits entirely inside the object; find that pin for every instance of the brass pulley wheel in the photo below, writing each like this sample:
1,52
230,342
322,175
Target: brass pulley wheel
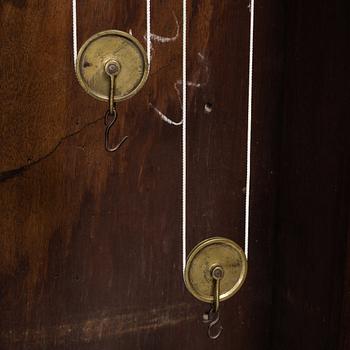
202,263
126,54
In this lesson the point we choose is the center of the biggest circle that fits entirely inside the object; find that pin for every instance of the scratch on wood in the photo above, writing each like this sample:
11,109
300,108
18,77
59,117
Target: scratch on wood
102,326
177,87
163,39
164,117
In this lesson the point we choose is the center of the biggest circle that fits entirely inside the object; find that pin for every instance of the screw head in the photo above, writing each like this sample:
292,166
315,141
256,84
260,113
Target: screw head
112,67
218,272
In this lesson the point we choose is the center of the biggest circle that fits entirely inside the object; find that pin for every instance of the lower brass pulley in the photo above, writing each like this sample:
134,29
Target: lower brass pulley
215,270
112,66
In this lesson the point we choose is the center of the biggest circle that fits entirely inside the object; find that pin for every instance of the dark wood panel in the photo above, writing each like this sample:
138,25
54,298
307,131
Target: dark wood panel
91,242
313,211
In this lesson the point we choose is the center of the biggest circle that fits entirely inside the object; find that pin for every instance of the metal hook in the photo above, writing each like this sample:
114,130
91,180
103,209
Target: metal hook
214,328
213,317
112,69
112,115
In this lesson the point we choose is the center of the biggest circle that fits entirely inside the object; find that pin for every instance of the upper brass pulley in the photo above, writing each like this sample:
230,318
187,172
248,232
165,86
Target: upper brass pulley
112,66
127,53
215,270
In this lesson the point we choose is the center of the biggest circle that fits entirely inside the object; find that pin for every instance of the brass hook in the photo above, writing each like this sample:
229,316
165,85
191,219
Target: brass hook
112,69
214,328
213,316
113,115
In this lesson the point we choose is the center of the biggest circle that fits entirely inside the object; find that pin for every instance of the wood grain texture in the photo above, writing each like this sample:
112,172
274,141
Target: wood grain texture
313,209
91,241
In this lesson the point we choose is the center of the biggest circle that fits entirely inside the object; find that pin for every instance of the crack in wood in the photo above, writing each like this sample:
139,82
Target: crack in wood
12,173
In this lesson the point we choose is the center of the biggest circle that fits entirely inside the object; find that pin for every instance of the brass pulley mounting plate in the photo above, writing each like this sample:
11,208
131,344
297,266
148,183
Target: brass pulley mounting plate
216,251
126,51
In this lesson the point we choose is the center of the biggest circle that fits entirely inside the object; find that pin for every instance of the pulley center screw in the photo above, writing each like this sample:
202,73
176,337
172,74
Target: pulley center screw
218,272
112,67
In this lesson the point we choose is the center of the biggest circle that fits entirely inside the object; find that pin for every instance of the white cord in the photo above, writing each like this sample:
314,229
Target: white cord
249,127
75,31
184,145
148,30
75,35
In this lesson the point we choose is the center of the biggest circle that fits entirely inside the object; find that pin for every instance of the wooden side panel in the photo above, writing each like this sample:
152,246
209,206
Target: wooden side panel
313,210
